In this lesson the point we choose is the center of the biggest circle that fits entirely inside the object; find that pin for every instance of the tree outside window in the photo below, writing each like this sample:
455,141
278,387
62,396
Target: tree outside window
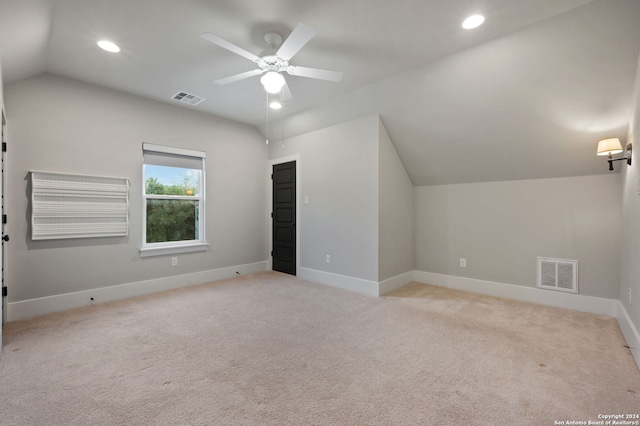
174,218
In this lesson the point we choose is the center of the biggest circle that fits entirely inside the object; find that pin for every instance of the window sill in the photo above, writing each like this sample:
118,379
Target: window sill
163,251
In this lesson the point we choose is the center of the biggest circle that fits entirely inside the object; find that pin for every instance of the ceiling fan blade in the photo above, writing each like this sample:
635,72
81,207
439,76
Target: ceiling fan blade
297,39
286,92
239,77
229,46
315,73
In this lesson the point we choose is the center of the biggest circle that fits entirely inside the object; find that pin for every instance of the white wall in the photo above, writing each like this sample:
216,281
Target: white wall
338,171
62,125
630,256
396,226
501,228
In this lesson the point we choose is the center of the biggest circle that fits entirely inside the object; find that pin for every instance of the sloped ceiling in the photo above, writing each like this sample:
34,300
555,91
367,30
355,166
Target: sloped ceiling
527,95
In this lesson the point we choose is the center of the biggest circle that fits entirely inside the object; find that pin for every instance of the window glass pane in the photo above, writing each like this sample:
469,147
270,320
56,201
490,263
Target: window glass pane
164,180
172,220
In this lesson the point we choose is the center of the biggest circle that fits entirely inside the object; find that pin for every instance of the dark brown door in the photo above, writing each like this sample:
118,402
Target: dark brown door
284,217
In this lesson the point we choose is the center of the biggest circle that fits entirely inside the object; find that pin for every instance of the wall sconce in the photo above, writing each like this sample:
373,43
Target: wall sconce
611,147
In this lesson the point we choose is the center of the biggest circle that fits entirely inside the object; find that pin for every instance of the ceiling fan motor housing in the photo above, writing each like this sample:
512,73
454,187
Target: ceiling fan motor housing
273,63
274,40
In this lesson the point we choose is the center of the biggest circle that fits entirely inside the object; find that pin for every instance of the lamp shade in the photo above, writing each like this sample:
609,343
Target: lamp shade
272,81
609,146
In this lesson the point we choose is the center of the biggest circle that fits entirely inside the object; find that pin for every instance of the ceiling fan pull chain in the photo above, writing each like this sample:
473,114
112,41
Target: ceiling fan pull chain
267,103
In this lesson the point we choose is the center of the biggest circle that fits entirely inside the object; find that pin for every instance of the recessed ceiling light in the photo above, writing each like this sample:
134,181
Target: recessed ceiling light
275,105
472,22
108,46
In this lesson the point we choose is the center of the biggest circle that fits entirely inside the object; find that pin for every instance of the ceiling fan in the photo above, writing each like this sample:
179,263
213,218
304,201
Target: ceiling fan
272,66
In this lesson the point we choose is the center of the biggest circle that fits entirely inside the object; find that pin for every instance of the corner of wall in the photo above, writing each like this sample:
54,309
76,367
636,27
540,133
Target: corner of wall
630,332
396,211
630,250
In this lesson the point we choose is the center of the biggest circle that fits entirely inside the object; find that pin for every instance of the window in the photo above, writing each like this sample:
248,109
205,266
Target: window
173,200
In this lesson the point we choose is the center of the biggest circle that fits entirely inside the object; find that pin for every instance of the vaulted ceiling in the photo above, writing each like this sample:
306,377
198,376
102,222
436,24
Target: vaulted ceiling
526,95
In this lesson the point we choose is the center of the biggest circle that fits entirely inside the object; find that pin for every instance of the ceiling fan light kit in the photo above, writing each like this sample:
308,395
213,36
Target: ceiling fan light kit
272,82
272,66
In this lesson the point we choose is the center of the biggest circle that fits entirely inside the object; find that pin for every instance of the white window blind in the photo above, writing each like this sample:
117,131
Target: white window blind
78,206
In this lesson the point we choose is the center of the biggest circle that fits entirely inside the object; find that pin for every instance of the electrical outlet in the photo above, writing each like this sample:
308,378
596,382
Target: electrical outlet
174,261
328,258
463,262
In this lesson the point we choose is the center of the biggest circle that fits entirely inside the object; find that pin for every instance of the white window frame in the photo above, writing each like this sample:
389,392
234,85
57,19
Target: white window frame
174,247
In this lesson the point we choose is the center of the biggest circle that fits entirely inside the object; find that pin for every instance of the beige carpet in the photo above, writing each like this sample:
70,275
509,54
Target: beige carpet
270,349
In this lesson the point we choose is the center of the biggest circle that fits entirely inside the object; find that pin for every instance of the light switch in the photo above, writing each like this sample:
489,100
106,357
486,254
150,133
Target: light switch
306,199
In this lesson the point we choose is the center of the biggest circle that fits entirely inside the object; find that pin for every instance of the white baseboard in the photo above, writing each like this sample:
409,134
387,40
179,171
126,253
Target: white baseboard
595,305
629,331
357,285
395,283
44,305
577,302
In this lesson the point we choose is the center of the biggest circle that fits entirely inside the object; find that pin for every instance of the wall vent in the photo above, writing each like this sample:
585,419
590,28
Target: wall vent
558,274
187,98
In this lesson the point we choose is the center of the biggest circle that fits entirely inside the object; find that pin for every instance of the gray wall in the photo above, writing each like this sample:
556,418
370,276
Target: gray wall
62,125
501,227
630,256
396,226
1,85
339,173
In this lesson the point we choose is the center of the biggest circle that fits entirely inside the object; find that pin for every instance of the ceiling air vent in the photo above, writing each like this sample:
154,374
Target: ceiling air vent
187,98
558,274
